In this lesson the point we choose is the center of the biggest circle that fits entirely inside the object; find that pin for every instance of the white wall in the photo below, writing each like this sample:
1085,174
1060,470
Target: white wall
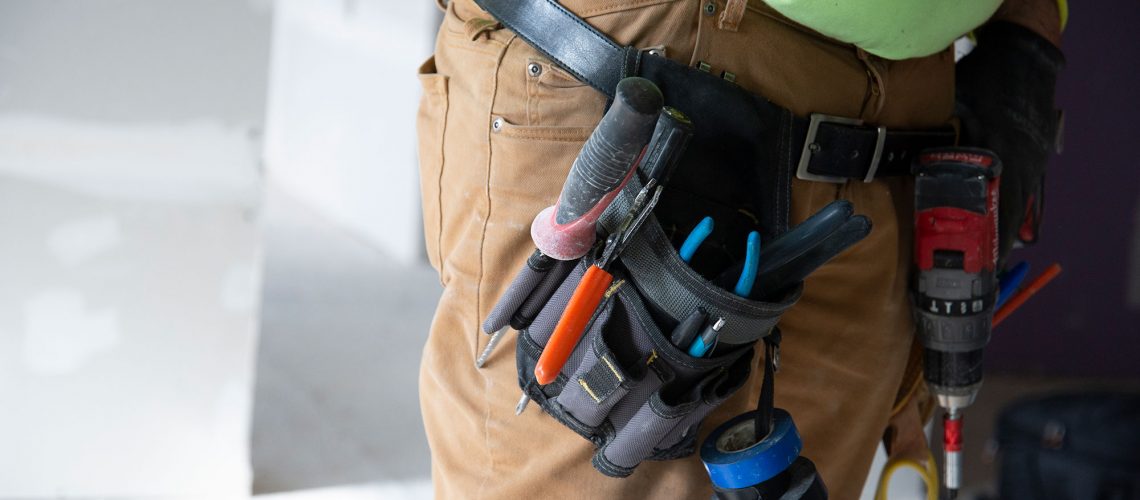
341,120
130,256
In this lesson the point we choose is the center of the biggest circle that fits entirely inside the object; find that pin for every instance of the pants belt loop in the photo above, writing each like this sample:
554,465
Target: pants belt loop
733,13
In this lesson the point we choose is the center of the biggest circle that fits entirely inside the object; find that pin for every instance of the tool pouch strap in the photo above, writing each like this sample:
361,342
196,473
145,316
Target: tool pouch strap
626,387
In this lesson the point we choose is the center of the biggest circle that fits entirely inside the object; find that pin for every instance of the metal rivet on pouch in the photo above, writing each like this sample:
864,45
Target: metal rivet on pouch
534,69
497,124
814,147
710,9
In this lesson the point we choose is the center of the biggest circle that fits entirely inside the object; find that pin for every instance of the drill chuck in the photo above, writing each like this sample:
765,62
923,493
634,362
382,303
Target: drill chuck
953,377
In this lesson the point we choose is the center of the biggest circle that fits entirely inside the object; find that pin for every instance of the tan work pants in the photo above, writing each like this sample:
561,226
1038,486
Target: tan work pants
499,128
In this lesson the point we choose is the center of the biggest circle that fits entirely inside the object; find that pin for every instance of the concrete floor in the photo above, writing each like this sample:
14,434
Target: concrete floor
341,336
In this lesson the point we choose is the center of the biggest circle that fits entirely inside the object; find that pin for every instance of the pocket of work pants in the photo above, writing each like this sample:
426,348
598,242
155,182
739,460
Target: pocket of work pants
431,124
499,167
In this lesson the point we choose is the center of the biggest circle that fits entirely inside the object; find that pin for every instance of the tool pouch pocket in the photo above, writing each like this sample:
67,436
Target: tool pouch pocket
626,387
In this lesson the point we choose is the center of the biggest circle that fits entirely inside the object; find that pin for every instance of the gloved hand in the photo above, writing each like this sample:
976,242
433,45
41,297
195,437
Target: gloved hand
1005,102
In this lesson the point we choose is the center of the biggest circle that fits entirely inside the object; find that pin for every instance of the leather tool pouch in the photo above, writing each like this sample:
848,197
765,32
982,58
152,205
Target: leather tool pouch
626,388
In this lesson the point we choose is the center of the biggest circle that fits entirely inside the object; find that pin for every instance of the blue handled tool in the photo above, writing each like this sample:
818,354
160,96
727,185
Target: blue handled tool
688,329
751,266
693,242
1010,281
705,341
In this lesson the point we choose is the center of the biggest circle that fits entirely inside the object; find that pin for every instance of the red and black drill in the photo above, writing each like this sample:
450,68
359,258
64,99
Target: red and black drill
956,284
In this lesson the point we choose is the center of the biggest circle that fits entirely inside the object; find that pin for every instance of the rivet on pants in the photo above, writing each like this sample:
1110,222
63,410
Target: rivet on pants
534,69
710,9
813,147
497,125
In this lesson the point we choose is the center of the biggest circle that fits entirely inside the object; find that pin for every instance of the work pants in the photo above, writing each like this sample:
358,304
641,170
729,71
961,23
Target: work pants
499,127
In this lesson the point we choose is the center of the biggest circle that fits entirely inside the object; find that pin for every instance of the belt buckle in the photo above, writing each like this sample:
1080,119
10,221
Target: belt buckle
813,128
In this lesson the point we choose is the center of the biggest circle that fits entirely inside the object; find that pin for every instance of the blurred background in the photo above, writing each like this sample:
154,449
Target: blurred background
211,271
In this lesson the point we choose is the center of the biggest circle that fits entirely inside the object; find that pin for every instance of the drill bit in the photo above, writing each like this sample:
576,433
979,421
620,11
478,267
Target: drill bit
495,339
952,447
523,401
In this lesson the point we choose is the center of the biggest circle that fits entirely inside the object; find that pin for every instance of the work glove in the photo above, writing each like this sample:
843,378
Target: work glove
1004,99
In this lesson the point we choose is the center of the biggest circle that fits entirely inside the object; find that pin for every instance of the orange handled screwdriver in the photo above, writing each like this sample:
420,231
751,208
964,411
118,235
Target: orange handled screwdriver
592,289
569,330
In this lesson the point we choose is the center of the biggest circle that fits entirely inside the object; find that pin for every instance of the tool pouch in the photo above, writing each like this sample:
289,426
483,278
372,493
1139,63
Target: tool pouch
626,388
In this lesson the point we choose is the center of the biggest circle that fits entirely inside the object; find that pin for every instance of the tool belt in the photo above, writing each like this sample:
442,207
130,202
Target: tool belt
626,387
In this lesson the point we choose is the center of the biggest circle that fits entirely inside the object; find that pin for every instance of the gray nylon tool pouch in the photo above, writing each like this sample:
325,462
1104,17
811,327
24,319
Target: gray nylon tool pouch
625,387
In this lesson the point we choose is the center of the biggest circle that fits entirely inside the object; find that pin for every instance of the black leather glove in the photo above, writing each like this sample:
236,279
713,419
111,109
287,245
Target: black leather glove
1005,102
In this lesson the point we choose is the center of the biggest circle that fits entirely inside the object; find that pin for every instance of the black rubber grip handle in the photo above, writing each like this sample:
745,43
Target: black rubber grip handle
774,282
611,150
791,245
670,137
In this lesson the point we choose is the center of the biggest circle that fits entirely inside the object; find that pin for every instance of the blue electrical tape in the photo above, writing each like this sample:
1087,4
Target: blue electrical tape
732,468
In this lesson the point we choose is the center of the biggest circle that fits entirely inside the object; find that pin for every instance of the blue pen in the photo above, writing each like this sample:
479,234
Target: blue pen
703,230
751,264
1010,281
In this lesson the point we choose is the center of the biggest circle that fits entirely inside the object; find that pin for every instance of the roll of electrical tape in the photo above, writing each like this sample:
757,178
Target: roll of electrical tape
734,461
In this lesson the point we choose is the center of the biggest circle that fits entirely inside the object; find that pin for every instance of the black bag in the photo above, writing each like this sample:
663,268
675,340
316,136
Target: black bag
1071,446
626,387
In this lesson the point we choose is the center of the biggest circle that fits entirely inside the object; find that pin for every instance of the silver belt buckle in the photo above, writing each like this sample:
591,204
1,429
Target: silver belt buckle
810,146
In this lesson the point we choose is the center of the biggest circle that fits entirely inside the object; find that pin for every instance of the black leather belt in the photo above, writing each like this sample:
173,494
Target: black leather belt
832,149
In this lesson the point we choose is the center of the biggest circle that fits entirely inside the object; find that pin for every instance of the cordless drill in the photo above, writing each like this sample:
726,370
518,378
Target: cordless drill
955,285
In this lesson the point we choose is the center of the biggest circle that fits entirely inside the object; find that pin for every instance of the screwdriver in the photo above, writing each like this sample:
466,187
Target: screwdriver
533,274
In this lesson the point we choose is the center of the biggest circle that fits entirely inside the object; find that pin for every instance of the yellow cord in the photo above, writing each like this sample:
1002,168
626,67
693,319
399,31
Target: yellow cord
928,472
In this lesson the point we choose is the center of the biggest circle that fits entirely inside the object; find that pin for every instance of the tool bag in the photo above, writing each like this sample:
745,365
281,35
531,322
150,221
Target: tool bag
626,387
1071,446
